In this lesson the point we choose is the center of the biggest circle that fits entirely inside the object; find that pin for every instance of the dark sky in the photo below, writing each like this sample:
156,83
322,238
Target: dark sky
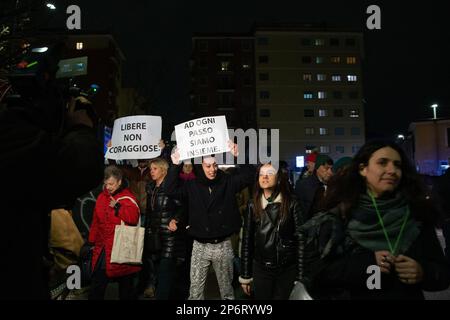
406,66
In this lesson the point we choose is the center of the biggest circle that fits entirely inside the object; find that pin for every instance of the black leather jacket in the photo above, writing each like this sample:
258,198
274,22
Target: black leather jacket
160,211
270,241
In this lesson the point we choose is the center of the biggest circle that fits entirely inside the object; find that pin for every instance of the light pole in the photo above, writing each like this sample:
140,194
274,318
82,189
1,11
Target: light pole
434,106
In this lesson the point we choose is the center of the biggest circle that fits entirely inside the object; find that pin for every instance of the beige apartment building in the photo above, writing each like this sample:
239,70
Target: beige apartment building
309,86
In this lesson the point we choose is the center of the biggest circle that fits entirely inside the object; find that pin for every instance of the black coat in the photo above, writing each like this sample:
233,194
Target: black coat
160,211
305,190
347,272
216,214
268,239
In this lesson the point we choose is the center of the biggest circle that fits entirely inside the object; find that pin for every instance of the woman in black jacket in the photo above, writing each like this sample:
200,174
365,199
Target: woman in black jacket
165,234
389,248
270,244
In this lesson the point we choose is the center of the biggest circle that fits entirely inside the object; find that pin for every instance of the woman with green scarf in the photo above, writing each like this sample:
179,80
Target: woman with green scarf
376,237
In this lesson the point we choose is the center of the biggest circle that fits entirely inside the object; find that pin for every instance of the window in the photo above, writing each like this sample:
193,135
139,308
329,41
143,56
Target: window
351,60
263,59
263,41
263,76
203,99
309,149
319,42
335,78
334,42
79,46
355,149
224,45
202,62
354,113
308,113
203,45
306,42
340,149
353,95
225,82
224,99
225,66
245,66
337,94
306,59
246,62
335,59
307,77
203,81
309,131
338,113
339,131
322,95
321,77
350,42
355,131
246,45
324,149
323,131
308,95
323,113
264,94
264,113
352,78
319,60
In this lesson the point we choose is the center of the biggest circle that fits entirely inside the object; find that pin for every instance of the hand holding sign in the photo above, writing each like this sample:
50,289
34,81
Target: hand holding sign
233,148
175,156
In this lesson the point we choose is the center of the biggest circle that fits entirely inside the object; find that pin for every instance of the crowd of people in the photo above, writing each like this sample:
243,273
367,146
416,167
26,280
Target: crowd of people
341,218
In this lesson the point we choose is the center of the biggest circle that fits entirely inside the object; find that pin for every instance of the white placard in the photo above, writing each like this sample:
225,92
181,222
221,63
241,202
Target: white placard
203,136
135,137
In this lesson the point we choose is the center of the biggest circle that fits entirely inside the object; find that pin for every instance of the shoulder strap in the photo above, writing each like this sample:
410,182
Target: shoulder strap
132,200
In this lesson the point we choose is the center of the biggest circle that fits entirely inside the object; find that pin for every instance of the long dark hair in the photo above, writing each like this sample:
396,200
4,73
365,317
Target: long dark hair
345,188
281,187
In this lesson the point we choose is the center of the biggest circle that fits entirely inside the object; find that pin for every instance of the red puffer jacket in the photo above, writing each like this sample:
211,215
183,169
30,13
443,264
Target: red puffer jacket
103,226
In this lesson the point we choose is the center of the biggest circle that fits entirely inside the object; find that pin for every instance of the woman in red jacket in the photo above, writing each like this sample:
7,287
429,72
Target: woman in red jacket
114,204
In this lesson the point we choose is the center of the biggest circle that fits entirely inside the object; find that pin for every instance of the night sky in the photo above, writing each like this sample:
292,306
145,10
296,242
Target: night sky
406,66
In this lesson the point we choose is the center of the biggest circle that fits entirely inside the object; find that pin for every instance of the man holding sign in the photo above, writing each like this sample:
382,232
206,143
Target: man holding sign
213,218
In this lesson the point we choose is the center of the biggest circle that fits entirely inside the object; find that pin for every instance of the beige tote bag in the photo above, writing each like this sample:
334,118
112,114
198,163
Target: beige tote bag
128,242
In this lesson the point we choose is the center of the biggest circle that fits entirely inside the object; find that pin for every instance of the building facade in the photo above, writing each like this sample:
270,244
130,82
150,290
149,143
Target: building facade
309,86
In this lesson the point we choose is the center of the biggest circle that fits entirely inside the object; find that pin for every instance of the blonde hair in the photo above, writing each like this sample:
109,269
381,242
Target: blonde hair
160,163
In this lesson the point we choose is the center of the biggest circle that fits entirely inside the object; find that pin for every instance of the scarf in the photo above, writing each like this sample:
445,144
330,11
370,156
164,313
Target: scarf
187,176
265,202
365,228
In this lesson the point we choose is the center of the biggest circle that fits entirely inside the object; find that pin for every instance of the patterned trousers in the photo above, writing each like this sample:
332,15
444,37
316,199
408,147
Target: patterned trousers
221,256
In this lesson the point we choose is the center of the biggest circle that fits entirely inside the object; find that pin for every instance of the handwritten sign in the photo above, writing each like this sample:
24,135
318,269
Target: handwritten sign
135,137
203,136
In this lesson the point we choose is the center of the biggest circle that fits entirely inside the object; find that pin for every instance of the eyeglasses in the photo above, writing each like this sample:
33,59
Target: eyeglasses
267,173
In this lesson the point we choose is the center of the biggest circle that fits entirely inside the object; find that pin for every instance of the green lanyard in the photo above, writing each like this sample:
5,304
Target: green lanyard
393,249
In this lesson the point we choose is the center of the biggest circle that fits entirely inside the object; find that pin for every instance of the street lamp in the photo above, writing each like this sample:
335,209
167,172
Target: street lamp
51,6
401,137
434,106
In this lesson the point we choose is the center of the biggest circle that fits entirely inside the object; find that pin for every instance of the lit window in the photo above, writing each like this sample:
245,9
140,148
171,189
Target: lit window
319,42
352,78
354,113
351,60
321,77
307,77
322,95
335,77
224,65
308,95
319,60
309,149
323,113
309,131
324,149
79,45
323,131
335,59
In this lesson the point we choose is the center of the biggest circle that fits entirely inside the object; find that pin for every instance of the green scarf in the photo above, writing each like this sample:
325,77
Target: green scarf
365,228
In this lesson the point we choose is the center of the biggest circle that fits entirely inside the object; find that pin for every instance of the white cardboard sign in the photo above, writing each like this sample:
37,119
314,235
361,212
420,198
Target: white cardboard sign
135,137
203,136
